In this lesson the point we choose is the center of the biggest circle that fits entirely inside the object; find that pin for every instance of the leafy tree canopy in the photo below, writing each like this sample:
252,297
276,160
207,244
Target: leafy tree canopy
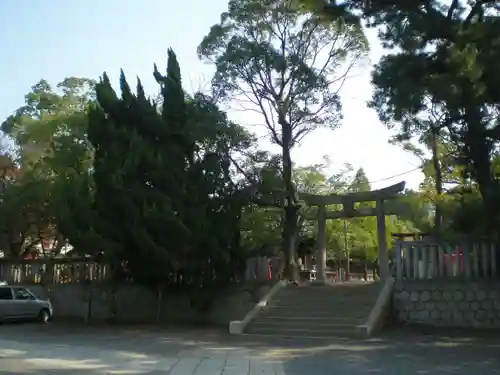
288,66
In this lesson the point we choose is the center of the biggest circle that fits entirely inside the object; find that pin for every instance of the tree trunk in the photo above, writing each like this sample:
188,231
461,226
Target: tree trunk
479,152
438,180
290,229
291,269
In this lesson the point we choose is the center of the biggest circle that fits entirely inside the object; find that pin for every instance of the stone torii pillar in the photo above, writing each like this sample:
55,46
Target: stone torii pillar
383,256
348,211
321,252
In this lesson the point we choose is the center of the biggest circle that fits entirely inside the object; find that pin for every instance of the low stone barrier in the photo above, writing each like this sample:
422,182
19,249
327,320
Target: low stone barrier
447,303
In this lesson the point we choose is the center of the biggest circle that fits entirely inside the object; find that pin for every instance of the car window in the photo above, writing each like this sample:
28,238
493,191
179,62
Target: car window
5,293
22,294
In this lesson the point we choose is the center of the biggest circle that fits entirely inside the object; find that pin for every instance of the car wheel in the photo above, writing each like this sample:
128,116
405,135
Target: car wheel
44,316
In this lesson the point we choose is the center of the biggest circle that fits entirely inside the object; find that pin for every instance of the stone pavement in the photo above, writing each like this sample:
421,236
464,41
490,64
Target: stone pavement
64,350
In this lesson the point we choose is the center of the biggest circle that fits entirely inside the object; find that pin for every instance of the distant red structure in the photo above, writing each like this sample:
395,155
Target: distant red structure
32,254
421,236
446,258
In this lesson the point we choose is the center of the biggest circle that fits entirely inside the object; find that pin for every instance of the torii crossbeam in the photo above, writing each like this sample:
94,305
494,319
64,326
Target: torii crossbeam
348,211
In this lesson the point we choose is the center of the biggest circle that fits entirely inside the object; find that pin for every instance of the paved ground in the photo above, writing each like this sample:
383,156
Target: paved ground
64,350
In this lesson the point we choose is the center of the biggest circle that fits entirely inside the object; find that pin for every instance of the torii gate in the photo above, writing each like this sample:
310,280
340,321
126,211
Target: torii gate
348,211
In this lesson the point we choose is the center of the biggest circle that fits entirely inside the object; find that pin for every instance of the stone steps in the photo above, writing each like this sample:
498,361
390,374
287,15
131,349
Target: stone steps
321,311
308,326
340,331
304,313
316,311
320,320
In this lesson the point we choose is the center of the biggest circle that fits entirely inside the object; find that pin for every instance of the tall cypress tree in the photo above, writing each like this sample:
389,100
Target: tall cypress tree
166,207
132,168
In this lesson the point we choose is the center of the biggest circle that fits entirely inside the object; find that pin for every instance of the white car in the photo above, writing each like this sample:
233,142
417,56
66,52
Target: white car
19,303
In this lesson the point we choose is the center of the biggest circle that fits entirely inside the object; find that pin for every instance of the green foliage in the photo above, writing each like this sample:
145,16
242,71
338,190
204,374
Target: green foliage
52,124
49,133
263,226
163,190
418,210
285,64
24,209
179,194
444,62
458,75
266,54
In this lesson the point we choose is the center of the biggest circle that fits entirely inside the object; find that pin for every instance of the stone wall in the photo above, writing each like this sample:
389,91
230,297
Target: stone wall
460,304
134,304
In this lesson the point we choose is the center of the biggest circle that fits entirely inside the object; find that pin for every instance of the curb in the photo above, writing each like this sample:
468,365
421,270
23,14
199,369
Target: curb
237,327
379,312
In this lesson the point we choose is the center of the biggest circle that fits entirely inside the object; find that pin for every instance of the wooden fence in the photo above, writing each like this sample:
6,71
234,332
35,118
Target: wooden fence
55,271
72,271
424,260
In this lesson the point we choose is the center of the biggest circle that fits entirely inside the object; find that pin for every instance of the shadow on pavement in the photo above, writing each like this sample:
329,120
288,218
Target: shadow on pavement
402,351
86,350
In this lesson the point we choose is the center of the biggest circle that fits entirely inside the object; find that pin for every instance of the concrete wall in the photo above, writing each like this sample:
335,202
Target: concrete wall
444,303
135,304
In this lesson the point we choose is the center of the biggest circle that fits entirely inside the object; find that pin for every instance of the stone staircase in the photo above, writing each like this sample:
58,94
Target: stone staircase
316,310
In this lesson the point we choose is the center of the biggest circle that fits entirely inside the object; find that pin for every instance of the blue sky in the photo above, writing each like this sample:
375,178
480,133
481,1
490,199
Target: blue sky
54,39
